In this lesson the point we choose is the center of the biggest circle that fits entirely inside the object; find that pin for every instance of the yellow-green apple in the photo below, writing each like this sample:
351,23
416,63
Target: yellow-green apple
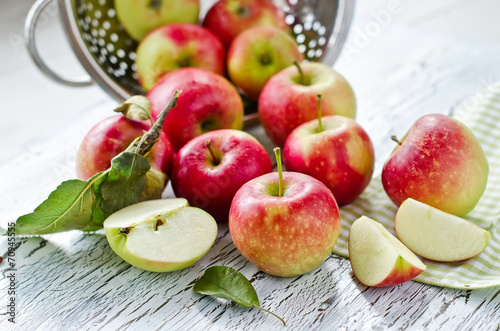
160,235
112,136
335,150
289,98
439,162
256,54
378,258
228,18
286,223
141,17
210,168
436,235
175,46
208,102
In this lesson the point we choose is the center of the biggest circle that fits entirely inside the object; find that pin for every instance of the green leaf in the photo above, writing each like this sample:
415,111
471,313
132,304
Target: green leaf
125,182
98,215
69,207
228,283
136,107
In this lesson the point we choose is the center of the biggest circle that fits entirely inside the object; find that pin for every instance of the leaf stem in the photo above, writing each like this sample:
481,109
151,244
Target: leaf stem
149,139
301,73
215,159
270,312
277,153
320,125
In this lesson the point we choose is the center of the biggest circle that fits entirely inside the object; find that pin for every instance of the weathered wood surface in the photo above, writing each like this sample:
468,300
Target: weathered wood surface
73,281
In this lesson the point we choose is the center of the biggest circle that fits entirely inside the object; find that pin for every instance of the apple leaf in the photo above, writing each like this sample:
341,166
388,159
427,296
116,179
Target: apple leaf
125,182
136,107
69,207
227,283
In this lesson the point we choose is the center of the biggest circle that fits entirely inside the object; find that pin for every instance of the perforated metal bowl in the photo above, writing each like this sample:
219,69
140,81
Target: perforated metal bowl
107,52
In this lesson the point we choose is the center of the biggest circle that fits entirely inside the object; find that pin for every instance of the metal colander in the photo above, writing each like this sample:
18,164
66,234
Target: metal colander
107,52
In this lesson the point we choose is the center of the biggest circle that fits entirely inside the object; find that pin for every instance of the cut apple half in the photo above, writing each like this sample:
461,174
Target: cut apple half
437,235
161,235
378,258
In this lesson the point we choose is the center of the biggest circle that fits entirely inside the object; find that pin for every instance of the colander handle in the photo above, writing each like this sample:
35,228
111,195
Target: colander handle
29,36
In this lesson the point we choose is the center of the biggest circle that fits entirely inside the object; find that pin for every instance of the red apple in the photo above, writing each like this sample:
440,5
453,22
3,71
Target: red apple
256,54
208,102
285,226
227,18
335,150
112,136
440,163
289,98
175,46
209,176
140,17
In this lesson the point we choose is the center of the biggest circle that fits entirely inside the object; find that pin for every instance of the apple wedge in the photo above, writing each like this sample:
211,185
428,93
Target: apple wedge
378,258
161,235
437,235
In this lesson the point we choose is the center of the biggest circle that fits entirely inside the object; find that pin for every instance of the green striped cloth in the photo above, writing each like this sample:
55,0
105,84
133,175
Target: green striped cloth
482,115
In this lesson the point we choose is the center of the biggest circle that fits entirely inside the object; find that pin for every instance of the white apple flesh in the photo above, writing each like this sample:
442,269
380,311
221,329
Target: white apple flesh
161,235
378,258
437,235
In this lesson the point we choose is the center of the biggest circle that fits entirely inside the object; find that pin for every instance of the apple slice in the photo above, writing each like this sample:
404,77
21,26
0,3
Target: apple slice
161,235
437,235
378,258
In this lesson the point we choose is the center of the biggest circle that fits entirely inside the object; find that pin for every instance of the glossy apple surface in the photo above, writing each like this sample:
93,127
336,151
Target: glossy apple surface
228,18
211,184
256,54
436,235
378,258
341,156
439,162
285,235
160,235
175,46
208,102
141,17
288,100
112,136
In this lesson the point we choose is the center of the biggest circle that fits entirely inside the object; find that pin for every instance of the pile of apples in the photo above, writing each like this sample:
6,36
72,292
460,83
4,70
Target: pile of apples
286,223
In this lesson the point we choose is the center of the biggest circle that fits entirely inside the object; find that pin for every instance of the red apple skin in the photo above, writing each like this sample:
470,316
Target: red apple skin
284,236
175,46
112,136
228,18
208,102
285,103
212,186
441,163
256,54
341,156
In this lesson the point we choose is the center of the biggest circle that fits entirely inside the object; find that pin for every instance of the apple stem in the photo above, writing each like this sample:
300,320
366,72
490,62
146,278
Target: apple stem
215,159
320,125
396,140
277,153
149,139
301,73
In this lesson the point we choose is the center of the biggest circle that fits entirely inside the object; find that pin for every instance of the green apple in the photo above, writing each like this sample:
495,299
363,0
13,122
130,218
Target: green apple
378,258
141,17
436,235
439,162
256,54
161,235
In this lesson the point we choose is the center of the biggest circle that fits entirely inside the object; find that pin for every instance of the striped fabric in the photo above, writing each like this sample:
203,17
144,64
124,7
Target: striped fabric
482,115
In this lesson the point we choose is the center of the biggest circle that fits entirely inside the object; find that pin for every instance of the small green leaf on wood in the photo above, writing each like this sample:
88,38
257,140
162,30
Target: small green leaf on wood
125,182
68,207
137,107
227,283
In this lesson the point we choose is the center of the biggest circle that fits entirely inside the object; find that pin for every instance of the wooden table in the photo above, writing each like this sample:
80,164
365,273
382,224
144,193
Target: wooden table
74,281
